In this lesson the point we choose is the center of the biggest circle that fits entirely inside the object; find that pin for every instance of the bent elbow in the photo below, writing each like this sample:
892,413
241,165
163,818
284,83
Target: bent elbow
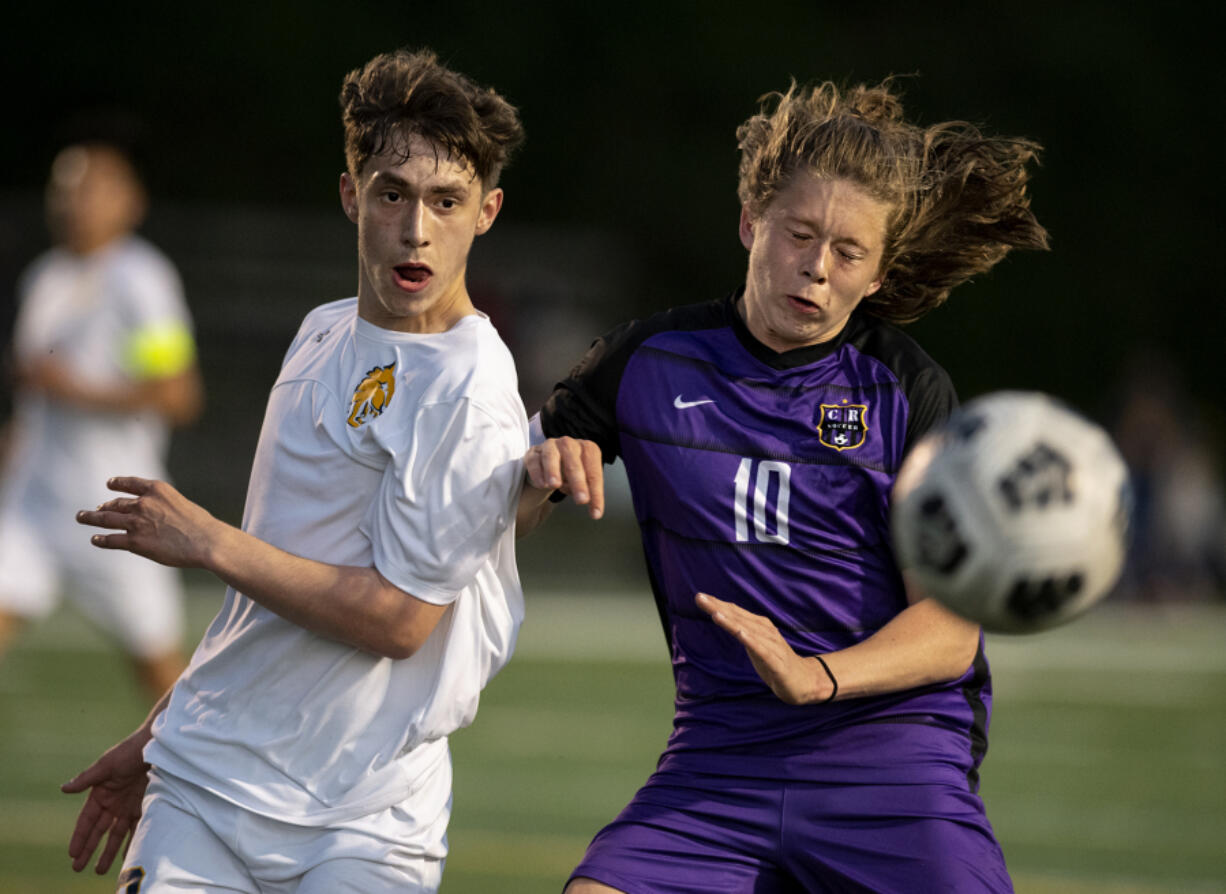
397,652
961,654
399,647
393,639
187,414
413,623
188,406
395,624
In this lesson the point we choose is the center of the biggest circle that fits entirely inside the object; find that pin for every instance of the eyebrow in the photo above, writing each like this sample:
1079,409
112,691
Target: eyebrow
453,186
792,219
849,240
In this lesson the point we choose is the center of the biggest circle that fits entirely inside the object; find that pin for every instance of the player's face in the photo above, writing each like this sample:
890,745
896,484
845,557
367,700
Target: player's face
417,218
814,253
93,198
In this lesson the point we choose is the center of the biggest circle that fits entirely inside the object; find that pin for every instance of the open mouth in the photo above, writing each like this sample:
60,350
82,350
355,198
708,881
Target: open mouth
412,277
804,305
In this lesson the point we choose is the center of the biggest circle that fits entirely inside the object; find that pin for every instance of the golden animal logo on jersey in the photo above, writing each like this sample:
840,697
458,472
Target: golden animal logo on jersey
373,394
843,426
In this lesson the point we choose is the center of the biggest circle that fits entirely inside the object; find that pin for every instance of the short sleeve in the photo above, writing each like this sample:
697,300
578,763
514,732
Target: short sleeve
584,404
447,498
159,341
931,400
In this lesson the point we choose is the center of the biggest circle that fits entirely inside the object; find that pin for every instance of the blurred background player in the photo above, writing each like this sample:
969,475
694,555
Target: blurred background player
104,363
829,724
373,588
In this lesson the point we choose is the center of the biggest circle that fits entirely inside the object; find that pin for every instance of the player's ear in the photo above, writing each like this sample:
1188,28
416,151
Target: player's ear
491,204
349,196
747,225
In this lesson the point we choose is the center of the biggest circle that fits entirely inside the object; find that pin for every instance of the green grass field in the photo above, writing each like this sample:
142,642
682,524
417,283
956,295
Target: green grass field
1106,774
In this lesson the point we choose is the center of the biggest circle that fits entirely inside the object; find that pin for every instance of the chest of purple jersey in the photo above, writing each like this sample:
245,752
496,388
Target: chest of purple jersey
721,448
769,487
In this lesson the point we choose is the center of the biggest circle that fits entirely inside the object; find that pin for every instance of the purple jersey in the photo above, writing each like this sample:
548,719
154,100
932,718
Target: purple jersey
764,479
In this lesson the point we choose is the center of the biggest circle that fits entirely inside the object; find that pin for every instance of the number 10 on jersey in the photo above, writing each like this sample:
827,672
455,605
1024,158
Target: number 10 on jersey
752,490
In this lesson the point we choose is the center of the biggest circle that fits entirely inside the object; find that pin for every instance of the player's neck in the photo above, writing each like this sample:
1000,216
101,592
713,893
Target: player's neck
87,246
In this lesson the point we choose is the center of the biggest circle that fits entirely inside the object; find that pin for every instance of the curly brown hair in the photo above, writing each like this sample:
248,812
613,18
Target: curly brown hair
404,92
958,200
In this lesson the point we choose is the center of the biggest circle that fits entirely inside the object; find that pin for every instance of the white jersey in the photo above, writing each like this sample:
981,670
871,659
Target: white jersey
381,448
85,312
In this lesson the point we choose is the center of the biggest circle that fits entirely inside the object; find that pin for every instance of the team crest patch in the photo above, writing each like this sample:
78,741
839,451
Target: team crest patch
373,394
843,426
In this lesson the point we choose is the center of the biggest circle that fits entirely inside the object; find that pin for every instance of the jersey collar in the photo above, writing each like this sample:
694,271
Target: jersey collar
782,359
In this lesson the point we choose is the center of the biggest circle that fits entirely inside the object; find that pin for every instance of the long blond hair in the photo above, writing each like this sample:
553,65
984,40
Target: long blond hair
958,199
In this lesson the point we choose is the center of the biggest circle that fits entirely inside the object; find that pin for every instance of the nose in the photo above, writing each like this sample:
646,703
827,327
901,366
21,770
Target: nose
817,264
413,230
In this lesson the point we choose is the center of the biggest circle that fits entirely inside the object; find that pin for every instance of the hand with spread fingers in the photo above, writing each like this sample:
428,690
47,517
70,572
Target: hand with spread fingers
157,522
116,783
796,679
571,466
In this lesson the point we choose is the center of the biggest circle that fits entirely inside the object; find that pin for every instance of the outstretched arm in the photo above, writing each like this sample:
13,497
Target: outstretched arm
116,783
925,643
355,605
569,465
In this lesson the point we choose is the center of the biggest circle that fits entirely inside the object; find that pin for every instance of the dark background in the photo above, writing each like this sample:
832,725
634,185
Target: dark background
623,199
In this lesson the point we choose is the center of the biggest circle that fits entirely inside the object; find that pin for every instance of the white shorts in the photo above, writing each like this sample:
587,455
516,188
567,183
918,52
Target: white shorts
191,840
136,602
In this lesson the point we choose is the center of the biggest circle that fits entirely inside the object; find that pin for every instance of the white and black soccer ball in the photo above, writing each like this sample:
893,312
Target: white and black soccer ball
1014,513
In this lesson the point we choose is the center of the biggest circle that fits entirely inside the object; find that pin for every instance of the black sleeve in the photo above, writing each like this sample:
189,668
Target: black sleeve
929,392
584,404
931,400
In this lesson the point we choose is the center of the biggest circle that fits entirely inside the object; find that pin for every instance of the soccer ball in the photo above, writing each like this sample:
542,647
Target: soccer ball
1014,513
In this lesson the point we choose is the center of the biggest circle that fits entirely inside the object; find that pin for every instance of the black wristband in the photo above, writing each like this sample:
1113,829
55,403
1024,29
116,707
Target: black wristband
833,681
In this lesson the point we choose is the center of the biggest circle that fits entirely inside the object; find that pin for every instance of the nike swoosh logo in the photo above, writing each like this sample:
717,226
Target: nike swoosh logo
686,404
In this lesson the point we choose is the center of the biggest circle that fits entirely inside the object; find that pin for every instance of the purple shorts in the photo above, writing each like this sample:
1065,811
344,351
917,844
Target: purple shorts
687,833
